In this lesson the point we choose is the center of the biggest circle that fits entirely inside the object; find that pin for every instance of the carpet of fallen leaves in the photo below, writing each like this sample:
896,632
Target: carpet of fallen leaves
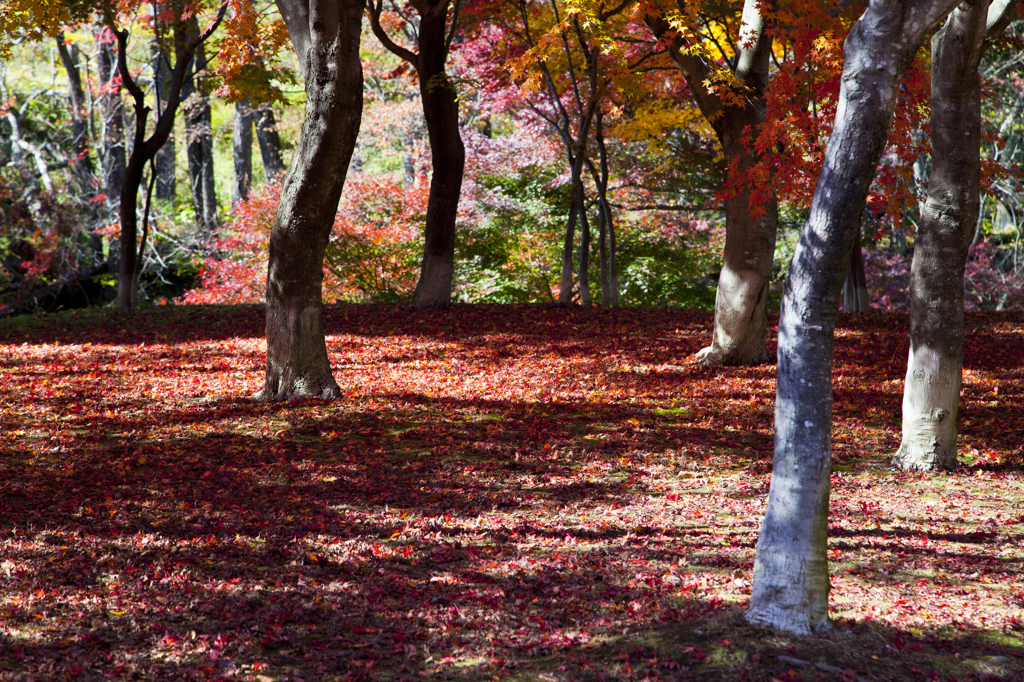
502,493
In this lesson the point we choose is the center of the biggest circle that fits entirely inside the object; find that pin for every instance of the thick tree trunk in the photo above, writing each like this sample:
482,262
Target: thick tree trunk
241,151
448,158
326,36
931,394
741,301
791,583
270,142
166,157
855,288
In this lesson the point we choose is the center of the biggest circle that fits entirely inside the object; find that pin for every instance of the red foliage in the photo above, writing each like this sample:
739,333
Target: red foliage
502,490
373,254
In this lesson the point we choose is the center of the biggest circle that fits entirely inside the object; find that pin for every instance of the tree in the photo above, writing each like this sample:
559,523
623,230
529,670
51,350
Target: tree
433,36
931,393
144,150
734,105
791,583
198,126
111,110
325,35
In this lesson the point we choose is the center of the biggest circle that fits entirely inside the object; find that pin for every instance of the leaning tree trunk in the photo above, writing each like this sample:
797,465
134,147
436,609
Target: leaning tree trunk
931,393
791,582
586,299
448,159
326,36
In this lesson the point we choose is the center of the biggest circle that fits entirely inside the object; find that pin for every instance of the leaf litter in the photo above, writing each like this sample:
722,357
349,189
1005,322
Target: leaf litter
518,493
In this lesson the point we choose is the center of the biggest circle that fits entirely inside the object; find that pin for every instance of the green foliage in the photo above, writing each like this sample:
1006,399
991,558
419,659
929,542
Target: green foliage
667,267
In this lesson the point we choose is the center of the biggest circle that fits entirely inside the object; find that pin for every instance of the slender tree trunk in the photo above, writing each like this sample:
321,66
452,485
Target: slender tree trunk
855,288
586,299
166,157
931,395
111,108
145,150
448,157
269,140
565,285
83,172
791,582
198,132
241,151
82,169
326,36
602,255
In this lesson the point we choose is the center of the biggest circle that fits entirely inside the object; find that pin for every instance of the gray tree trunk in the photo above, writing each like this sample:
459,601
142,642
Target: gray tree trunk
791,582
113,154
270,142
931,393
166,157
198,132
241,151
855,289
740,335
325,34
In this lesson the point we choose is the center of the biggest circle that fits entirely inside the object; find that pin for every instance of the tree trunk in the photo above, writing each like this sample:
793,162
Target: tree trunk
741,301
791,582
144,150
270,142
448,158
83,173
931,394
241,151
565,283
82,169
855,289
198,132
166,157
326,36
586,299
113,156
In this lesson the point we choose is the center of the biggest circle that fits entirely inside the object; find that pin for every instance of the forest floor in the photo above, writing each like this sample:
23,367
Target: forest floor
512,493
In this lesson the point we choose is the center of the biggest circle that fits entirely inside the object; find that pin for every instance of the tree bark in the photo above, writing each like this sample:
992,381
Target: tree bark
791,582
931,393
166,156
586,299
326,36
855,289
448,158
112,116
241,151
82,169
440,104
145,150
565,282
198,131
740,334
269,141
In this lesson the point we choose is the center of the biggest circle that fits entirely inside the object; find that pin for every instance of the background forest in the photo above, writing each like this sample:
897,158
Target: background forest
535,87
